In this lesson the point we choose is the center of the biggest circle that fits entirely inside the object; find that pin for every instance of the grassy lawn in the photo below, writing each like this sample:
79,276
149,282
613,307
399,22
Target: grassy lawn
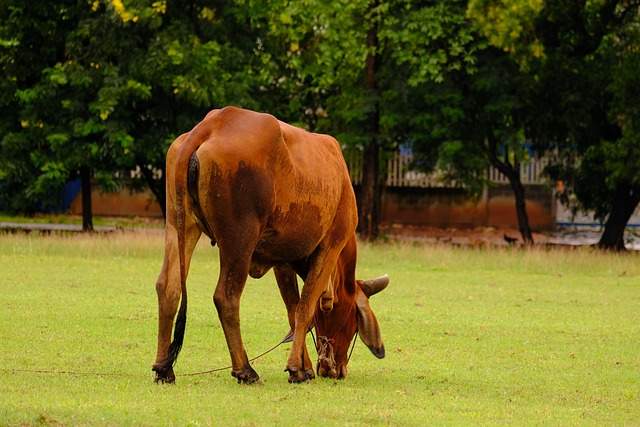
473,337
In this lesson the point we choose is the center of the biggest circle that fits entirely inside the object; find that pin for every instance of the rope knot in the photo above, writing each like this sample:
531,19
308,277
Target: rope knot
325,352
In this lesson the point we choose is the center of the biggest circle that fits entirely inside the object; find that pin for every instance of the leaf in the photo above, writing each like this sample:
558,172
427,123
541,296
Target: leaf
285,18
56,75
57,140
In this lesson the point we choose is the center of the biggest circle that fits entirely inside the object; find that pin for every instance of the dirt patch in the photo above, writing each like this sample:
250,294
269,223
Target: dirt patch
481,236
489,236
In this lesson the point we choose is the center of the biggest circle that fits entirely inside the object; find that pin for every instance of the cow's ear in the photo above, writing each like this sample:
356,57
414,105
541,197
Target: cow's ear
368,327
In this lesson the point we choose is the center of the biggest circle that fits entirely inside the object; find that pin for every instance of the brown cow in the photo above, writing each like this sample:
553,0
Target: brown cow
270,195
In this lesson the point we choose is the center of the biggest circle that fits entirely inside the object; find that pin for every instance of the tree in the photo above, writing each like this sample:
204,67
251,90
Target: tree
321,60
357,66
71,102
370,193
412,46
23,57
460,105
123,81
581,56
482,125
600,161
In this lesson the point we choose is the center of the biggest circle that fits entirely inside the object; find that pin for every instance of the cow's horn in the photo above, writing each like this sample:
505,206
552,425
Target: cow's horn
373,286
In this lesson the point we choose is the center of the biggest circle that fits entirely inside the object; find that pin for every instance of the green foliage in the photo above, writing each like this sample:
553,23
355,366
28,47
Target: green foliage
432,39
509,25
108,84
474,119
472,337
123,80
580,59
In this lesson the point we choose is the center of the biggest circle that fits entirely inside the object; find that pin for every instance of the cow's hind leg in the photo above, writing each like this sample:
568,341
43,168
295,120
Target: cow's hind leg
169,292
234,270
288,284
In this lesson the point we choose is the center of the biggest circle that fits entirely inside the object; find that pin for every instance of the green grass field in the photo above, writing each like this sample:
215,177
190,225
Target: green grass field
473,337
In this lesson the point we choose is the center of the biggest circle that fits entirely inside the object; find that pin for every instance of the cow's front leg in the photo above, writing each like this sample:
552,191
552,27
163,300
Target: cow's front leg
227,302
315,284
299,365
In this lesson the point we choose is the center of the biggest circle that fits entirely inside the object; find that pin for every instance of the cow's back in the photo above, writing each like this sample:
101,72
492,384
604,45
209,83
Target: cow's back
290,184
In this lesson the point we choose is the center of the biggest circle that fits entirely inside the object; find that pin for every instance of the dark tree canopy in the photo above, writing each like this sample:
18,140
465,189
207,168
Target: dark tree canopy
99,88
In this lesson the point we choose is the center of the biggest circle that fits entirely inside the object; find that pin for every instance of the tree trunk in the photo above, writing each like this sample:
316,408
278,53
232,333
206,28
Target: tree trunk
157,186
521,209
370,190
512,172
370,194
87,213
625,201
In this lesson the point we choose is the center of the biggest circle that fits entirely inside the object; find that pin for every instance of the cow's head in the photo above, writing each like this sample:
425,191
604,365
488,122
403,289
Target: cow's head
336,329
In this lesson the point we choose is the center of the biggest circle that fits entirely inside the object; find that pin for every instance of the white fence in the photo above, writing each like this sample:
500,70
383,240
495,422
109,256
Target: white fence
530,171
400,173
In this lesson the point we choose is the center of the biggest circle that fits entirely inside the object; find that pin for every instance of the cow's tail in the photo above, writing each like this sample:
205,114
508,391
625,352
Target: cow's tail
181,176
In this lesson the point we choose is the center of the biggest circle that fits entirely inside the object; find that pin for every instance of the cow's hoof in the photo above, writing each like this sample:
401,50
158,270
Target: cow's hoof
246,375
310,374
338,374
298,376
164,376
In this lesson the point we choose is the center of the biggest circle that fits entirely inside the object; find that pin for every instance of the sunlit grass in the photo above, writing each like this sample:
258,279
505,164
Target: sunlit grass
473,336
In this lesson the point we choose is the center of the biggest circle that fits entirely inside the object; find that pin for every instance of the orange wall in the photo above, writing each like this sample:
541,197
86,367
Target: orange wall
122,203
437,207
448,207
